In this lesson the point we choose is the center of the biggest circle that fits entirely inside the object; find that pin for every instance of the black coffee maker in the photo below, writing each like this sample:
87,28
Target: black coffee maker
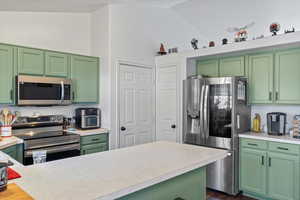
276,123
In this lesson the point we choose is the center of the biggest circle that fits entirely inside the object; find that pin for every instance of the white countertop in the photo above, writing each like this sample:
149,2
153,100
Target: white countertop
7,142
113,174
265,136
88,132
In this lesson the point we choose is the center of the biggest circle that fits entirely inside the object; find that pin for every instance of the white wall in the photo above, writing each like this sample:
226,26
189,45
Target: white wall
68,32
213,17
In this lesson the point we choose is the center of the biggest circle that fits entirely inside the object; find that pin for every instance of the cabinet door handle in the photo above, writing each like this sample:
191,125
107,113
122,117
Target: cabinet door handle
270,163
277,96
252,144
262,160
73,95
178,198
282,148
270,96
11,94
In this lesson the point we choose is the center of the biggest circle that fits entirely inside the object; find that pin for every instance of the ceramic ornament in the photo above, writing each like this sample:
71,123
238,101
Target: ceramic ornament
241,33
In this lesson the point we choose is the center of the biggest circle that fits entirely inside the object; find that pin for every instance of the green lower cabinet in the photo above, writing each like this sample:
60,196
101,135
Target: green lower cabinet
94,143
253,171
268,174
189,186
283,176
15,151
85,77
208,68
232,66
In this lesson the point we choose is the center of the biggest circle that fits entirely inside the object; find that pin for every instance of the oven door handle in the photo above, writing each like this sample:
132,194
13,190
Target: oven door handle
55,149
62,91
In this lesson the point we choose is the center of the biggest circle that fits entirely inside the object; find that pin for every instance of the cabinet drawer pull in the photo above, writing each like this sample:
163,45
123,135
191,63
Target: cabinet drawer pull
270,162
95,139
262,160
252,144
270,96
282,148
178,198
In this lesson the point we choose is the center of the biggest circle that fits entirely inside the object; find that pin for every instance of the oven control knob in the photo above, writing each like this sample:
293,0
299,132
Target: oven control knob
59,118
53,118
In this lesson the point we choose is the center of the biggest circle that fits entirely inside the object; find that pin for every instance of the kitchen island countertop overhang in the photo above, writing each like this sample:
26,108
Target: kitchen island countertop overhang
113,174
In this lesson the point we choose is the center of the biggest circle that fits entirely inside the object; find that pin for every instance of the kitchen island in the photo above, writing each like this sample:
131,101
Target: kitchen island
138,172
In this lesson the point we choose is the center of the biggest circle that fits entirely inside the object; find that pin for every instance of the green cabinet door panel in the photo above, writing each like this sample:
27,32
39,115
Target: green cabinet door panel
253,171
30,61
6,74
287,77
15,151
56,64
189,186
233,66
208,68
283,176
261,78
84,74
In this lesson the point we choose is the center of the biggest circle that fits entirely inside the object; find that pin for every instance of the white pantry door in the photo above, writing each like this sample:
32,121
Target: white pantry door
137,109
167,105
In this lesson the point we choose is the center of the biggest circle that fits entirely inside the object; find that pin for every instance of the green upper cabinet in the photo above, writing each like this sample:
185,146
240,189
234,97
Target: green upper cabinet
253,171
233,66
6,74
208,68
261,78
283,176
84,74
287,77
57,64
30,61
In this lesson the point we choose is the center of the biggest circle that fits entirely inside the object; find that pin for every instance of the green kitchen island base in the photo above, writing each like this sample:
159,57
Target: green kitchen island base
188,186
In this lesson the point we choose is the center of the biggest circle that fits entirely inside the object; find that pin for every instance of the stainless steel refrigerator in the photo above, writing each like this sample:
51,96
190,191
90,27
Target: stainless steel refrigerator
215,112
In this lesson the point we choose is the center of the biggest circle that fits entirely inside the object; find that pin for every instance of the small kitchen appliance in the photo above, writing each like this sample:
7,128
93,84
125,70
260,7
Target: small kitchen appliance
88,118
276,123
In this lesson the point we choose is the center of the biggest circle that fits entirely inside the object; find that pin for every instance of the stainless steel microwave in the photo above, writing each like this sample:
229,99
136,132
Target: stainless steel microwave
37,90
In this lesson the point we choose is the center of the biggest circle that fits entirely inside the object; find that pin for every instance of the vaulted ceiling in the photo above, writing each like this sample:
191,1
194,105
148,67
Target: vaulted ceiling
74,5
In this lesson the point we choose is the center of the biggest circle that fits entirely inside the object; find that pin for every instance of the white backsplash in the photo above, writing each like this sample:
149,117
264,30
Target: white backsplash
264,109
67,111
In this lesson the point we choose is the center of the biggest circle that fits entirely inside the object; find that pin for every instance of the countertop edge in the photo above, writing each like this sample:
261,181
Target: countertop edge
157,180
15,141
270,138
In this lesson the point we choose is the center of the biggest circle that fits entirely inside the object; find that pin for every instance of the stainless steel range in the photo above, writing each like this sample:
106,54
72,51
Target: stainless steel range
46,133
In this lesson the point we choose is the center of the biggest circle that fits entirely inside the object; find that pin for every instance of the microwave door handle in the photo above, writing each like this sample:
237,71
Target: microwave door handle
201,111
62,91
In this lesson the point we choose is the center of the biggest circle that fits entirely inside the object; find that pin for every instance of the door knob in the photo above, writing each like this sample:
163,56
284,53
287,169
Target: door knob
123,128
173,126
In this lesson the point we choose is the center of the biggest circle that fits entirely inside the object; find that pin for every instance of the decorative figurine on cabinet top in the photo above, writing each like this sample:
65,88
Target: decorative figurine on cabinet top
241,34
274,28
162,50
224,41
194,43
211,44
292,30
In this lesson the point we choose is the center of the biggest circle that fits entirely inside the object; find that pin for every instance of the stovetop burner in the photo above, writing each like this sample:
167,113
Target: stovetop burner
31,134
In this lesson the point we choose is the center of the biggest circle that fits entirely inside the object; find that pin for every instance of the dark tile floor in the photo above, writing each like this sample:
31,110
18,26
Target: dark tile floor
214,195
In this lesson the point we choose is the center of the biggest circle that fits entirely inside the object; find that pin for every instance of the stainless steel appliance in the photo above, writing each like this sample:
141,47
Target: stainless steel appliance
34,90
46,133
215,111
88,118
276,123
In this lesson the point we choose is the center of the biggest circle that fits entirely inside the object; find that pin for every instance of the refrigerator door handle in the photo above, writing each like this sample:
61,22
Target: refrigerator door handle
201,111
206,111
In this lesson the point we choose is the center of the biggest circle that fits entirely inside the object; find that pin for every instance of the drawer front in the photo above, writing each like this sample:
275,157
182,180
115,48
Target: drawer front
252,143
284,148
93,148
93,139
